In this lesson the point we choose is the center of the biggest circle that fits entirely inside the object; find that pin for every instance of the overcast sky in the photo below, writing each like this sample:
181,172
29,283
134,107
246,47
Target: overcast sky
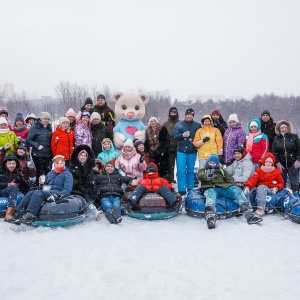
224,47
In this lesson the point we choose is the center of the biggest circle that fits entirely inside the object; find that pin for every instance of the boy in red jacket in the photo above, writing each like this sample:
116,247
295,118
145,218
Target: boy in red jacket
152,183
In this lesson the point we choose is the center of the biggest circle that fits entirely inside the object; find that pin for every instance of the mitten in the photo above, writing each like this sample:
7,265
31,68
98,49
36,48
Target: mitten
142,158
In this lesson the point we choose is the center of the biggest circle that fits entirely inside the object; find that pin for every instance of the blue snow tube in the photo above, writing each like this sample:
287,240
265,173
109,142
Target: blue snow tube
151,207
67,211
195,206
291,207
274,202
4,202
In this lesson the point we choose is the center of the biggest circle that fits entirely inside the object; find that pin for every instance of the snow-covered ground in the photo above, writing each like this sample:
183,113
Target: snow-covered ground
177,258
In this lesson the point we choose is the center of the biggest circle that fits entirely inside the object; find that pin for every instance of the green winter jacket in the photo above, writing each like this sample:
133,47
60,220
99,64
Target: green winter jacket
221,179
8,137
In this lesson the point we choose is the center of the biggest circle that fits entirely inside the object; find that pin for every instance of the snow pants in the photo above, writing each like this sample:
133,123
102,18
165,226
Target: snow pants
185,170
165,192
261,195
294,177
11,192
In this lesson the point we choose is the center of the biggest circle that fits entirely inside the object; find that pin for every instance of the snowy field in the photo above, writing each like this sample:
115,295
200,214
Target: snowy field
177,258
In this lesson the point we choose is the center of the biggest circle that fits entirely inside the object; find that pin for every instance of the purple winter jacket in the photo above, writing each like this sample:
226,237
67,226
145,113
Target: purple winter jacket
233,137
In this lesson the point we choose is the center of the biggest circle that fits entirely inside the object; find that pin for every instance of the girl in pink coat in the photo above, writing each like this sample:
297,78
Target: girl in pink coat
130,162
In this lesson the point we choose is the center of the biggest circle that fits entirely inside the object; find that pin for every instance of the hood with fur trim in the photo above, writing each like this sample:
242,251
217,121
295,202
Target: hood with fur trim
91,156
268,155
287,123
206,117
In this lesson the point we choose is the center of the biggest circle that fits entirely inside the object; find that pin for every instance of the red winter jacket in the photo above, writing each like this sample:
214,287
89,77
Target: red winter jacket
272,179
62,142
152,182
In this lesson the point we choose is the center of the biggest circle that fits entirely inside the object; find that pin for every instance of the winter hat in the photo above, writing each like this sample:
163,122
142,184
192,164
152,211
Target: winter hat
253,123
30,116
3,110
71,113
268,155
151,169
106,140
129,143
190,111
216,112
95,115
88,101
239,149
19,117
233,117
110,163
85,113
150,119
22,146
137,143
3,120
213,158
63,120
58,158
206,117
101,97
266,112
45,115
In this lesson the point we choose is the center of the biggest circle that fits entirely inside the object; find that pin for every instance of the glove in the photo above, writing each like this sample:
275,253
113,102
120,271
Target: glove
206,139
40,147
274,190
279,166
210,174
53,198
297,164
134,182
220,152
142,158
246,190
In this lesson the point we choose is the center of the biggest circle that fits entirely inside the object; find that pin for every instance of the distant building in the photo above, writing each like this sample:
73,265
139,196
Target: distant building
9,89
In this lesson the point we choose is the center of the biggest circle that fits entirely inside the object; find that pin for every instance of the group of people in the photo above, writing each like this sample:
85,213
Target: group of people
79,157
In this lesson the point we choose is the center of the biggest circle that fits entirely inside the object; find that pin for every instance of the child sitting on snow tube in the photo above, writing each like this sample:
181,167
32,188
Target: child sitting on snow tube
215,183
109,186
152,183
267,180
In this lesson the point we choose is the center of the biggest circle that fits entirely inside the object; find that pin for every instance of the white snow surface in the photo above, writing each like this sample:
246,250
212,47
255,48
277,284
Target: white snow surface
178,258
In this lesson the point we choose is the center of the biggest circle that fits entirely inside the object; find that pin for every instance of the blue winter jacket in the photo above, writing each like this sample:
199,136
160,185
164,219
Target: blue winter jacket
61,183
185,144
40,135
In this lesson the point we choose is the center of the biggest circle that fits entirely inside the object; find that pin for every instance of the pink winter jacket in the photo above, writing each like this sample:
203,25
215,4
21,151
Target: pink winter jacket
130,164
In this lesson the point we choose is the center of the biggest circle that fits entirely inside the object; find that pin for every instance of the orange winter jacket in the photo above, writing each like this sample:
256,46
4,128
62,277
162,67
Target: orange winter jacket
152,182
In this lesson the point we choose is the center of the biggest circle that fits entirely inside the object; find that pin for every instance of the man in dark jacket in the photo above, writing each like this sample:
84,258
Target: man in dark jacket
107,114
173,119
268,126
39,138
218,121
11,181
184,133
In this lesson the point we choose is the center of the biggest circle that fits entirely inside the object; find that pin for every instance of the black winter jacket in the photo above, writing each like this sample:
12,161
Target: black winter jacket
98,133
269,129
220,124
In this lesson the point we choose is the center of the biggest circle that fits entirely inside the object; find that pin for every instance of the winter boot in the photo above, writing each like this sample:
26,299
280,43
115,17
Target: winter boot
9,214
127,207
260,211
116,214
210,216
111,219
28,218
249,214
177,206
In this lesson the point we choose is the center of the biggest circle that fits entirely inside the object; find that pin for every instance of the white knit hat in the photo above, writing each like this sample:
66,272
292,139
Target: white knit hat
233,117
152,118
3,120
129,143
95,115
63,120
253,123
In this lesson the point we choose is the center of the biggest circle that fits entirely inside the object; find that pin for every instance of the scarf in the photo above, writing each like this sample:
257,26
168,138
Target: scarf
128,155
152,137
4,130
250,140
20,128
268,169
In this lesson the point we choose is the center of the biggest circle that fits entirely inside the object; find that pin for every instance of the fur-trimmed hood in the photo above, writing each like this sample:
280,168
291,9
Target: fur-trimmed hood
91,157
287,123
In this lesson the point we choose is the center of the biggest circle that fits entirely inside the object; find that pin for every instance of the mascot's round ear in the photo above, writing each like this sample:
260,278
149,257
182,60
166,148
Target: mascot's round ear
116,96
144,97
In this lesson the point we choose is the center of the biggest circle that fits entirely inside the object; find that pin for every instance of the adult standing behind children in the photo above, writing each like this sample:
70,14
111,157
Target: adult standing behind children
184,133
173,119
218,121
268,126
39,138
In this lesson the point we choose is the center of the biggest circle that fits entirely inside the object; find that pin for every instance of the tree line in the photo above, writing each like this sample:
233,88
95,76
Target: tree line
73,95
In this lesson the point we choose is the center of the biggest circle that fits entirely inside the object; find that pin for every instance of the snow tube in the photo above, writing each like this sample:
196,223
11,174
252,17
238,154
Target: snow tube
65,212
274,202
151,207
291,207
195,206
4,202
